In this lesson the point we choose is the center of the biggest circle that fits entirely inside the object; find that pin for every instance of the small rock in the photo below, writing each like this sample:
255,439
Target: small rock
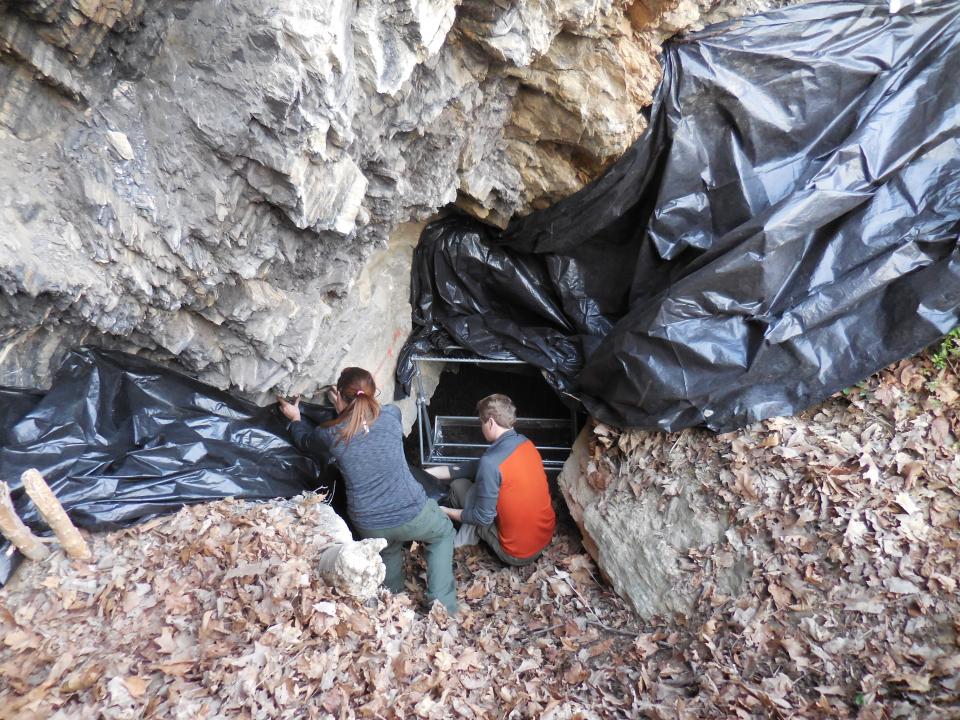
118,141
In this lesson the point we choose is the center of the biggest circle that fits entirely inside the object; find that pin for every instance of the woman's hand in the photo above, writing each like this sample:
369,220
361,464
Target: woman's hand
333,395
290,410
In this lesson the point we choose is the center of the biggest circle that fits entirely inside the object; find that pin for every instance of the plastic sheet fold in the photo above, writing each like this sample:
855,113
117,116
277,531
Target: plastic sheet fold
120,439
788,224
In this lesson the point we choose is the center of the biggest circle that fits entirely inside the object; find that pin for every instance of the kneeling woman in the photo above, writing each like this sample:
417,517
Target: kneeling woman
383,499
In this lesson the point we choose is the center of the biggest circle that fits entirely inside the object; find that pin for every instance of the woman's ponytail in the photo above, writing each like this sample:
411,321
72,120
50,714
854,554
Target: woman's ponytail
357,390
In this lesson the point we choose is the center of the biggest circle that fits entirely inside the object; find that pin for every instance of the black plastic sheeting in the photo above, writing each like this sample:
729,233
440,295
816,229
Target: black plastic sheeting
14,404
120,439
787,225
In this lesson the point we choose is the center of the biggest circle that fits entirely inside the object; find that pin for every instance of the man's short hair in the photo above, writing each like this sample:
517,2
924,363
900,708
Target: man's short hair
500,408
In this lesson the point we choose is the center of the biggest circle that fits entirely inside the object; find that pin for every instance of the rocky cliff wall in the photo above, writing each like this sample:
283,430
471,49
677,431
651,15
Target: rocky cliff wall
225,185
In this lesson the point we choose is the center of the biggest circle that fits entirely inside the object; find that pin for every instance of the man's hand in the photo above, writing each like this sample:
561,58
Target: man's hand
440,472
453,514
290,410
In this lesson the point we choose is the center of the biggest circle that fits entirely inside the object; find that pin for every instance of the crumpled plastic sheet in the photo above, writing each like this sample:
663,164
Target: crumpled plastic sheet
120,439
14,404
787,225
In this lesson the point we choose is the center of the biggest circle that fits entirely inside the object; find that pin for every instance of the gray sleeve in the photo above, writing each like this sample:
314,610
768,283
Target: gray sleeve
393,411
480,506
311,440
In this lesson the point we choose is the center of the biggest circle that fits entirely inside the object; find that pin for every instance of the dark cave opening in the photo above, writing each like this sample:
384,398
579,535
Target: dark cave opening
449,420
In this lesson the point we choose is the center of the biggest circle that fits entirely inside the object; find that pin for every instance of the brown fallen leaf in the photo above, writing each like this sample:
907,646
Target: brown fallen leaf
782,597
645,645
177,669
11,708
165,641
83,678
19,639
901,586
912,472
476,591
473,682
600,648
576,674
916,683
873,606
940,432
745,483
796,651
907,503
136,685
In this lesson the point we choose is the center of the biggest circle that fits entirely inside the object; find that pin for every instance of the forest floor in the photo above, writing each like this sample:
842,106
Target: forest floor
849,514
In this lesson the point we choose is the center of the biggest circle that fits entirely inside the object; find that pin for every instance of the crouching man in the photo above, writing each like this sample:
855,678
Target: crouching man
507,502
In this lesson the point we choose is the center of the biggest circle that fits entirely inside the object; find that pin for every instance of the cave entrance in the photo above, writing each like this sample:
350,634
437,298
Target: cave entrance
448,430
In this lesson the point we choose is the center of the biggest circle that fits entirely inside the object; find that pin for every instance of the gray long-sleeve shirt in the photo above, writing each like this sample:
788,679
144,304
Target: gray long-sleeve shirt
381,491
480,505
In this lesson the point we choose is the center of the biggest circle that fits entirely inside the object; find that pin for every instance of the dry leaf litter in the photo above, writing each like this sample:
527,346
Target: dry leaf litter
847,514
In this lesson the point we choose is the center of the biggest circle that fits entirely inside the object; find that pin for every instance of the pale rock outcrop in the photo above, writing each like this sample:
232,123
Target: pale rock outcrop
642,527
355,568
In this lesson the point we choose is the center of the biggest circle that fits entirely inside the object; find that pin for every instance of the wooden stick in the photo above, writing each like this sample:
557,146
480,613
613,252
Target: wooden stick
52,511
13,529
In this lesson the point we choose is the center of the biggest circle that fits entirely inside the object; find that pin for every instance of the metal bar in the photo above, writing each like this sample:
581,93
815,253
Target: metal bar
445,452
419,390
557,448
445,459
433,462
423,415
420,433
558,422
475,361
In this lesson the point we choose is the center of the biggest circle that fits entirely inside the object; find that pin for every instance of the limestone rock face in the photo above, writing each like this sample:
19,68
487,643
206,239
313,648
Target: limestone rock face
234,187
642,527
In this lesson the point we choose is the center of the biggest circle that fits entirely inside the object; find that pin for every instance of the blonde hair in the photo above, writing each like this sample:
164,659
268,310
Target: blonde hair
500,408
357,389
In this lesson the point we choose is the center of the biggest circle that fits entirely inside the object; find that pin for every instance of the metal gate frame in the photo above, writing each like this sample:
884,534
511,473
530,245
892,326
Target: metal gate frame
432,443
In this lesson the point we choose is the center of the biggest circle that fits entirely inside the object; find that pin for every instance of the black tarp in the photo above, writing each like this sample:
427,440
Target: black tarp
787,225
14,404
120,439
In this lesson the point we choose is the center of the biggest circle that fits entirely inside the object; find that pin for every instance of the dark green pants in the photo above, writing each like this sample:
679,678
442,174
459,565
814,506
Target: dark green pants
434,529
489,534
